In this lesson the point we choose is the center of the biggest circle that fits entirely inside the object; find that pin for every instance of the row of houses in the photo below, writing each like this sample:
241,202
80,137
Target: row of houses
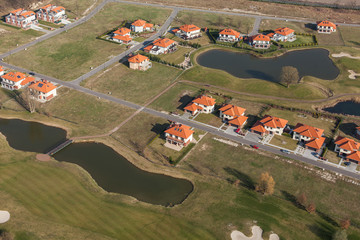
42,91
25,19
123,35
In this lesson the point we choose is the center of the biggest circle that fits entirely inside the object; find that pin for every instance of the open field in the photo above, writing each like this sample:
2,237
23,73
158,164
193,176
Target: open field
132,85
268,24
11,37
350,35
333,39
72,54
211,119
284,142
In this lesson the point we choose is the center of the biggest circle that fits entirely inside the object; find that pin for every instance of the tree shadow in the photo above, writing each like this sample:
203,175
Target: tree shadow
159,128
184,101
262,75
355,43
246,181
348,128
327,218
322,230
311,26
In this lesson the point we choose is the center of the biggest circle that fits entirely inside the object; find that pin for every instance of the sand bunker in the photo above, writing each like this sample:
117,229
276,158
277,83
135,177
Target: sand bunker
256,235
342,54
353,74
4,216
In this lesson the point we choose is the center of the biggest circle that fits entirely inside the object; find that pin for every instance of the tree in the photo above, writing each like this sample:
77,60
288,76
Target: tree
28,100
345,224
301,200
311,208
340,235
289,75
266,184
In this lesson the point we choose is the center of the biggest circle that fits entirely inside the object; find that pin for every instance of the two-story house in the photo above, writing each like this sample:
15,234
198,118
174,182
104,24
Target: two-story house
43,91
233,115
21,18
51,13
179,134
15,80
122,35
229,35
139,62
326,27
188,31
284,34
312,137
161,46
141,26
202,104
345,146
260,41
269,125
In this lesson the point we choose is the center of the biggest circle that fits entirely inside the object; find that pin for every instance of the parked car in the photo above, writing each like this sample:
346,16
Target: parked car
254,146
285,151
347,163
237,130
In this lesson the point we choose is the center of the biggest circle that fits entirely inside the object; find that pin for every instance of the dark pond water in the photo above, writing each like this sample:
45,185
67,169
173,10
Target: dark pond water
347,107
31,136
311,62
115,174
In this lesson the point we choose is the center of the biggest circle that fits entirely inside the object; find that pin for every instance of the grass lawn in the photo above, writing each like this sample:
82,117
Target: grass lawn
77,8
284,142
211,119
299,40
176,57
295,117
12,37
351,35
49,24
132,85
332,156
204,40
333,39
268,24
71,54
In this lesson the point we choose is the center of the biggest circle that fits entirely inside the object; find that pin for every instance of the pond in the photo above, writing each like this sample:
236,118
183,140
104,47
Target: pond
109,169
346,107
310,62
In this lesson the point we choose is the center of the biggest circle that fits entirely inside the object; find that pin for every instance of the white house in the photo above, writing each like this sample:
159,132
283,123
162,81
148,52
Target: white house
21,18
1,71
43,91
260,41
15,81
188,31
311,136
141,26
203,104
326,27
161,46
269,125
179,134
51,13
345,146
229,35
284,34
122,35
233,115
139,62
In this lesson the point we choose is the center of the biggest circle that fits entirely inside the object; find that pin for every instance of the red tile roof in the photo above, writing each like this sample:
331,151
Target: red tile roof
163,42
1,69
232,110
231,32
270,35
284,31
308,131
261,37
354,156
149,25
273,122
189,28
258,127
122,31
138,58
180,130
27,80
43,87
148,47
204,100
316,143
358,128
27,14
347,144
17,10
238,121
125,38
46,6
14,77
139,23
192,107
327,24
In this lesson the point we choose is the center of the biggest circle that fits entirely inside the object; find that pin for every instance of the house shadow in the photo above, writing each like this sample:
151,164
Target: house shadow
245,180
262,75
159,128
252,119
311,26
348,128
184,101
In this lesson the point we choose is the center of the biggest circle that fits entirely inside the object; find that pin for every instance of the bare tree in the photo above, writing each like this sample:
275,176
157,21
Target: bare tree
301,200
28,99
289,75
266,184
345,224
311,208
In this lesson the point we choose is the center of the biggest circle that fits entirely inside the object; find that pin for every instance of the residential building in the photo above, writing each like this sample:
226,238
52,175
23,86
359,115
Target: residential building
21,18
15,80
269,125
326,27
2,72
260,41
161,46
312,137
233,115
43,91
188,32
229,35
202,104
345,146
139,62
179,134
51,13
354,157
357,132
122,35
284,34
141,26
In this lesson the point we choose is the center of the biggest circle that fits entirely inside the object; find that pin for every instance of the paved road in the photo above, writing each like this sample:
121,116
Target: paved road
256,26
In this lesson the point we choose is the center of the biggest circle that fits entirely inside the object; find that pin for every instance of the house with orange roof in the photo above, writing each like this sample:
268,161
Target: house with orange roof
269,125
179,135
228,35
354,157
284,34
141,26
122,35
1,71
260,41
51,13
326,27
21,18
201,104
357,132
233,115
139,62
43,91
188,32
345,146
312,137
15,80
161,46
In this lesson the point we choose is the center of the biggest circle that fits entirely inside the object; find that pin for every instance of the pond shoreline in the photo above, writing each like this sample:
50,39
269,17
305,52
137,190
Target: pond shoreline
322,108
